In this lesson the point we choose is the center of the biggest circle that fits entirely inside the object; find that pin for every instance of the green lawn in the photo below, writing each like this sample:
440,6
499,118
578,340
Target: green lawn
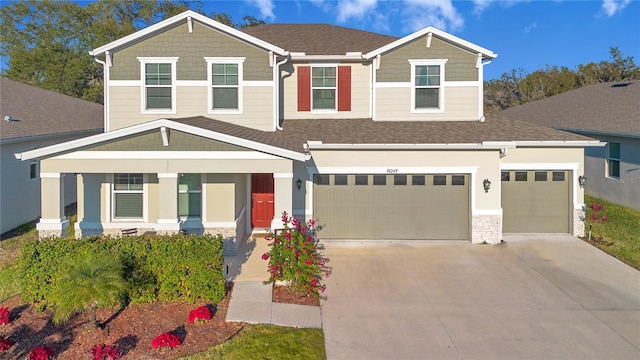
621,231
268,342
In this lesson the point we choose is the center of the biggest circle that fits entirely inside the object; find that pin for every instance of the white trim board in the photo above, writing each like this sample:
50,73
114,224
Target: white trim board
154,155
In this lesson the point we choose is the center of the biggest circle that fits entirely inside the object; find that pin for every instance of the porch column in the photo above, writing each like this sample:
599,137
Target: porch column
52,222
168,221
283,198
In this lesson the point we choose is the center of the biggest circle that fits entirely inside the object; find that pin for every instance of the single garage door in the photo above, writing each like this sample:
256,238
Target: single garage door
535,201
399,206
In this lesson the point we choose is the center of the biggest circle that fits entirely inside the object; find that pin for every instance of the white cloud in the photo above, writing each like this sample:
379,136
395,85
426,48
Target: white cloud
356,9
437,13
612,7
481,5
266,8
527,29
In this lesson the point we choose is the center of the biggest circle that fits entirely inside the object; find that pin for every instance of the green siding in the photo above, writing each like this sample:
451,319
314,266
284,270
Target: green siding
191,50
152,141
395,67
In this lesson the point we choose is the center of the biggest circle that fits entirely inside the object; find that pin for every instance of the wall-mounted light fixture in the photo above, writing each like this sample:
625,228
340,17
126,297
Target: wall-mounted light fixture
487,185
299,184
582,181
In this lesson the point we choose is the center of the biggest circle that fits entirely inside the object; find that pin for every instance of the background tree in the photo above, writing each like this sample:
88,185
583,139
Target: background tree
87,281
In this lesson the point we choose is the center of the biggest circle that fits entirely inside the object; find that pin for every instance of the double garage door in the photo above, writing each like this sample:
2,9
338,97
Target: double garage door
535,201
398,206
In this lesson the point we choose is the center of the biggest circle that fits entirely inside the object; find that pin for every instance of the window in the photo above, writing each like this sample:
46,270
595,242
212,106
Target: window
558,176
362,179
541,176
340,180
427,78
399,179
457,180
521,176
321,179
417,180
505,176
225,82
439,179
189,195
379,179
34,171
613,160
324,85
127,196
158,79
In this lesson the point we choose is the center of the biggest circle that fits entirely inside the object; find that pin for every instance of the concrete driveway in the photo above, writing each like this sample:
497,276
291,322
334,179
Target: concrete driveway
551,297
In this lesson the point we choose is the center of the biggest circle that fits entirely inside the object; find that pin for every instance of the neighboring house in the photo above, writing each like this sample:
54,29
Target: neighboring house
210,129
609,112
33,118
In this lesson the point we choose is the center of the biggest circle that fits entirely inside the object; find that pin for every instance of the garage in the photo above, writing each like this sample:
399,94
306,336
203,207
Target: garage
392,206
535,201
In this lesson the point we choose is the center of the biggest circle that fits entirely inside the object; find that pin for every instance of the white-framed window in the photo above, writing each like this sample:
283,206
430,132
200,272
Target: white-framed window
225,84
158,85
190,195
613,160
427,90
128,196
34,169
324,87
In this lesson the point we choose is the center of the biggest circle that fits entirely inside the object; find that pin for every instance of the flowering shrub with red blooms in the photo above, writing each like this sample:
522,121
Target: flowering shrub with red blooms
295,258
4,315
40,353
200,315
5,343
105,352
598,218
165,340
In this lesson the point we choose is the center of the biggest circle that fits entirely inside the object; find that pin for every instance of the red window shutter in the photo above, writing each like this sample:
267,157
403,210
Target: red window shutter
344,88
304,88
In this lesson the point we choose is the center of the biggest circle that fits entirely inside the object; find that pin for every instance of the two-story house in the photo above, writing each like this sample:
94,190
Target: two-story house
211,129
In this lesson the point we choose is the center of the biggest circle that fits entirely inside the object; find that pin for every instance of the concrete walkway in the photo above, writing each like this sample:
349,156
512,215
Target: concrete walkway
549,297
251,300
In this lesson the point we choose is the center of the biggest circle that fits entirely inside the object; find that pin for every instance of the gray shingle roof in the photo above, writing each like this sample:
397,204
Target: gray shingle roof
605,107
42,112
367,131
319,39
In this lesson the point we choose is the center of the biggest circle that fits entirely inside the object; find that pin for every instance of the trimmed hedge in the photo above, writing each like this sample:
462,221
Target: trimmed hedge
158,267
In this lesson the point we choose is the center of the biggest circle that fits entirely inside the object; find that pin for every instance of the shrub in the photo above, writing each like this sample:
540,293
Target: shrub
201,314
87,280
598,220
4,315
295,258
160,267
164,341
40,353
105,352
5,343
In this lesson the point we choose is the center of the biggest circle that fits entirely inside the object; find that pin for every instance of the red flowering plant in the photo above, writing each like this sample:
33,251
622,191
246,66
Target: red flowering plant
4,315
164,341
598,219
40,353
5,343
105,352
294,257
200,315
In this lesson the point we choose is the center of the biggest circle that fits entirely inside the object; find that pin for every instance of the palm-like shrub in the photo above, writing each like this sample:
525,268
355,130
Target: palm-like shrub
89,280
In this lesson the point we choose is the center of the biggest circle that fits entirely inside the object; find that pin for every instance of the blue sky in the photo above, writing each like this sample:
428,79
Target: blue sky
524,34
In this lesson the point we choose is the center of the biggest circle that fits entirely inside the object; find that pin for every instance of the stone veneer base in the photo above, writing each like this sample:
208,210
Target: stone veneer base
486,229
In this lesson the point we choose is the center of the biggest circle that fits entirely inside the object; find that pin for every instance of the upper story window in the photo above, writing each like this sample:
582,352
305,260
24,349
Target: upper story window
158,85
324,85
427,92
613,160
225,84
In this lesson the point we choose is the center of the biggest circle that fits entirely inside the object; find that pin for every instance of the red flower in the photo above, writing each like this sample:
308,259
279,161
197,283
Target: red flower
265,256
200,315
165,340
40,353
105,352
5,343
4,315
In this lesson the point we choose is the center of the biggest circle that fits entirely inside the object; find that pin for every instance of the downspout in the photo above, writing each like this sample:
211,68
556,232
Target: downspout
276,97
481,100
105,72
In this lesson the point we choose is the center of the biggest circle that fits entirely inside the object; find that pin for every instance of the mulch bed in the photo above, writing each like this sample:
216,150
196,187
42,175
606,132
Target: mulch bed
282,294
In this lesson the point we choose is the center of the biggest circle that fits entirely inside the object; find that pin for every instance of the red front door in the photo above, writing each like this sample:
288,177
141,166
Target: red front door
262,200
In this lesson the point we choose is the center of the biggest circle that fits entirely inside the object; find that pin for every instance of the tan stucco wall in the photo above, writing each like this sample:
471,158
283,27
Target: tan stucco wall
395,67
460,103
360,94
